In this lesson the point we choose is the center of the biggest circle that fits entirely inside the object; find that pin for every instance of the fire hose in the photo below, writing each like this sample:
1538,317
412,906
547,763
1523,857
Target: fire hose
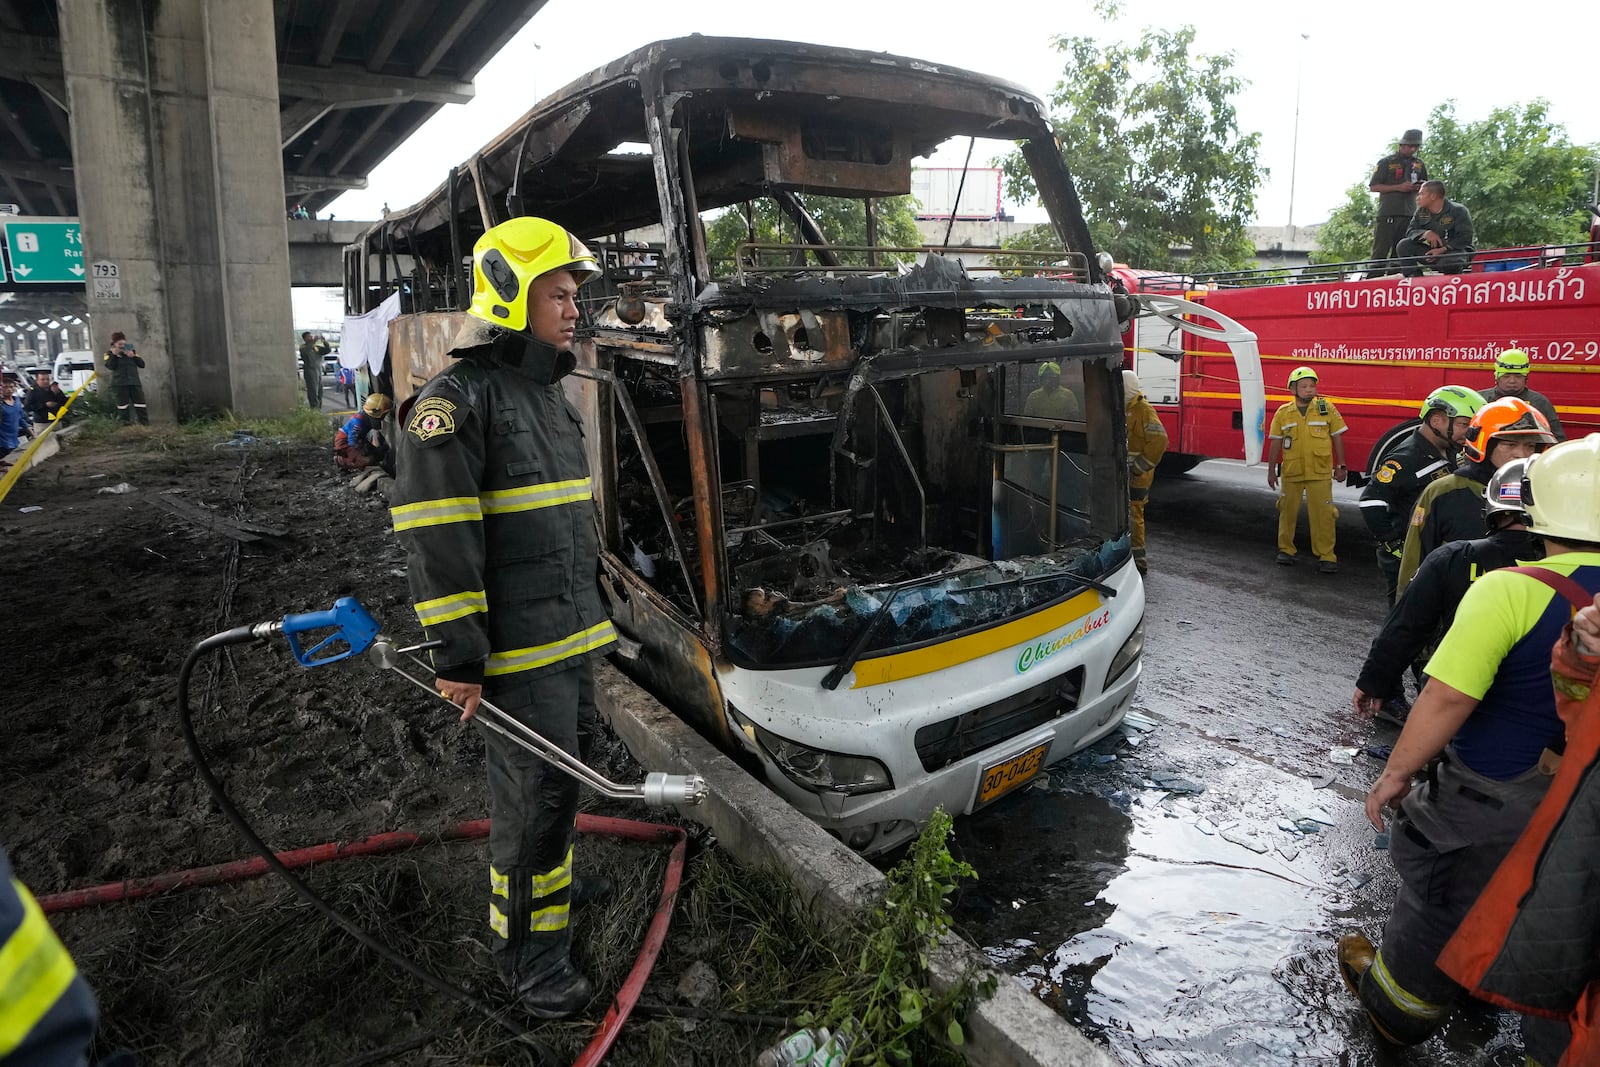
355,631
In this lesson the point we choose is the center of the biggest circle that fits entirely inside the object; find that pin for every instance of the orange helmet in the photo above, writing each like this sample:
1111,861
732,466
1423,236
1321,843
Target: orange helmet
1506,417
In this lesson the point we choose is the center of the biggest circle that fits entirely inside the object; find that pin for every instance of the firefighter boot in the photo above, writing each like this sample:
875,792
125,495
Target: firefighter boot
557,995
1355,959
1397,1016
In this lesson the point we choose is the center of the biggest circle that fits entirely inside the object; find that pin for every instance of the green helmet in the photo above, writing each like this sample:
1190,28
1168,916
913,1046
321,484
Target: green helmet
1456,401
1511,361
1301,372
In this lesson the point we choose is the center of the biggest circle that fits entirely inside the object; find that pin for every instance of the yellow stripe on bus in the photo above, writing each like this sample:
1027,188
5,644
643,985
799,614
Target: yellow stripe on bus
964,649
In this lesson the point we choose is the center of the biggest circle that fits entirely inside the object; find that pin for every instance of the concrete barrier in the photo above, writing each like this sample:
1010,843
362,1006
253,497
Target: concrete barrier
1011,1029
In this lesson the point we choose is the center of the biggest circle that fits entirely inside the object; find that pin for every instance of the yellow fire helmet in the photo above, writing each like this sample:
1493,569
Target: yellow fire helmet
1301,372
1511,361
377,405
507,259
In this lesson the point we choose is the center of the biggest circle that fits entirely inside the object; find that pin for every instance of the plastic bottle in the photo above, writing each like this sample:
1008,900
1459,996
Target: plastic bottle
811,1047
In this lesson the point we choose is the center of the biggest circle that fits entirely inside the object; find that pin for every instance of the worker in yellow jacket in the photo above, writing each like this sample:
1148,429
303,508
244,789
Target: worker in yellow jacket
1307,452
1147,443
47,1013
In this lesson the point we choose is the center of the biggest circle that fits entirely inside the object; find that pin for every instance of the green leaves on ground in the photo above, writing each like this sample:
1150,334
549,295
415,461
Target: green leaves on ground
888,1004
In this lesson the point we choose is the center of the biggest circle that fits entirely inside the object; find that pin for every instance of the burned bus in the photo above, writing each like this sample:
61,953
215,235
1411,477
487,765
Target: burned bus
838,537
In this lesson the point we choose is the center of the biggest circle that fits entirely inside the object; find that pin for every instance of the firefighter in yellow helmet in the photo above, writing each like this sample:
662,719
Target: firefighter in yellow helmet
1147,443
1051,400
493,504
1307,453
1511,369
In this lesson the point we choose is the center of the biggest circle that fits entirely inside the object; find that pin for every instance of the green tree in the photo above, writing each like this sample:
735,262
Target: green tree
1347,235
1151,135
1517,171
843,222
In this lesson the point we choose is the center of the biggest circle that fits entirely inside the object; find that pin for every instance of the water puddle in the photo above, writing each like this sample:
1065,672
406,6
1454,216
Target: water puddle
1193,926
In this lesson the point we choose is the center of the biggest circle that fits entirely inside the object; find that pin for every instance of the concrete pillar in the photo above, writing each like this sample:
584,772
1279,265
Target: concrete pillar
175,131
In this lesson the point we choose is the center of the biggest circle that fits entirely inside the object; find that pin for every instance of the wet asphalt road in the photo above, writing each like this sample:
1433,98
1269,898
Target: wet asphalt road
1184,928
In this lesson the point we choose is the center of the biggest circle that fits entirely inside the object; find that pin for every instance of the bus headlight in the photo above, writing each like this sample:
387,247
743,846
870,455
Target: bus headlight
1127,655
815,769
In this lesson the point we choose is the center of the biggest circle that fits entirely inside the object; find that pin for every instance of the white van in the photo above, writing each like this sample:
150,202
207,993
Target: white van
73,368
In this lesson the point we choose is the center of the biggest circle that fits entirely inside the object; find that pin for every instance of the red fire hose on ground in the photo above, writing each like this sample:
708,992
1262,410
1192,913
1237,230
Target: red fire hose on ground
381,844
348,630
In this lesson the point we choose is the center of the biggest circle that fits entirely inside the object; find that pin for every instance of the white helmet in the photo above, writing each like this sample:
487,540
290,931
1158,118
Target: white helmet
1130,384
1561,490
1503,495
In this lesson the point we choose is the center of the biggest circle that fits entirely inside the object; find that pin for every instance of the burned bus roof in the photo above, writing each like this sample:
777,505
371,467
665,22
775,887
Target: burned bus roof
567,143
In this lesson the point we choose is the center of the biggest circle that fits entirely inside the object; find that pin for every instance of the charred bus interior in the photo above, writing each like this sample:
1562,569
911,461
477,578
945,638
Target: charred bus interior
815,449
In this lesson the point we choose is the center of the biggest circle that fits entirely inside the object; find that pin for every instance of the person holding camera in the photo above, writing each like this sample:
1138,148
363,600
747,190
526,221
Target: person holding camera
312,349
124,364
1396,180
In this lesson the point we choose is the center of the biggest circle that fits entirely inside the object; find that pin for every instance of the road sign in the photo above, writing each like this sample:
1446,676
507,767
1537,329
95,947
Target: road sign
105,280
45,253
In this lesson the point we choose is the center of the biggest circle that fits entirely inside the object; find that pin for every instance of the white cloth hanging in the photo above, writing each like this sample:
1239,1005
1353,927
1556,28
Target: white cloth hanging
365,338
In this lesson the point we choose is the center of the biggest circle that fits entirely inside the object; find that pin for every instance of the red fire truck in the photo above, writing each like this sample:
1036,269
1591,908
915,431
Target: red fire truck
1379,347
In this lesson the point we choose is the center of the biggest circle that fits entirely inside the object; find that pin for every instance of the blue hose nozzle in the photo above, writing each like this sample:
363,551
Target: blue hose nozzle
351,623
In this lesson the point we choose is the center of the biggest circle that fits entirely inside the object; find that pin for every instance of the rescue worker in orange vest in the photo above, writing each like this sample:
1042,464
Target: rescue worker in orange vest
1307,435
1531,939
1147,443
494,506
1482,729
1451,508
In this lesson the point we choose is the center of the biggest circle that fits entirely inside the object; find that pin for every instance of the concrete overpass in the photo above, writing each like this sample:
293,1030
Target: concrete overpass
50,320
179,131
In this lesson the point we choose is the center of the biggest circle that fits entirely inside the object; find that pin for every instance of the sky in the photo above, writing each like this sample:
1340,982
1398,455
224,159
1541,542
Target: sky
1359,84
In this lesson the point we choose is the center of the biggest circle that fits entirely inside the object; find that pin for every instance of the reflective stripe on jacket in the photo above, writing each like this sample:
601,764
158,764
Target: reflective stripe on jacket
47,1014
495,508
1147,440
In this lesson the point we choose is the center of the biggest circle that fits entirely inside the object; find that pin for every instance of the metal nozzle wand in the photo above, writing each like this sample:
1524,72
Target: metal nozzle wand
658,789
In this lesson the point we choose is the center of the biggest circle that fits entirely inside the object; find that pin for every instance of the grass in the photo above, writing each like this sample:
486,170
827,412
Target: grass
99,425
251,975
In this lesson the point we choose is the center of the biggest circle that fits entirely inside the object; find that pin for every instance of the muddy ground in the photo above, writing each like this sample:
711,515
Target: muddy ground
108,591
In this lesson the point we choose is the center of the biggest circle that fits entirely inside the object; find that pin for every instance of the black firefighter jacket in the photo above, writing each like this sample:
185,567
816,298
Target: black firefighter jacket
1428,606
1449,509
494,506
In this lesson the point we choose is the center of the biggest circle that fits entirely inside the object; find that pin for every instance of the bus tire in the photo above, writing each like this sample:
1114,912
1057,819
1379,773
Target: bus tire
1175,463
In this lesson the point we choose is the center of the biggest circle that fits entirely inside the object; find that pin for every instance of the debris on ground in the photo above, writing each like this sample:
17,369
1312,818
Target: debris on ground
336,754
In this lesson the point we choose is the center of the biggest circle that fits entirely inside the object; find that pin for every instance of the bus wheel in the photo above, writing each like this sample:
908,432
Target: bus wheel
1175,463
